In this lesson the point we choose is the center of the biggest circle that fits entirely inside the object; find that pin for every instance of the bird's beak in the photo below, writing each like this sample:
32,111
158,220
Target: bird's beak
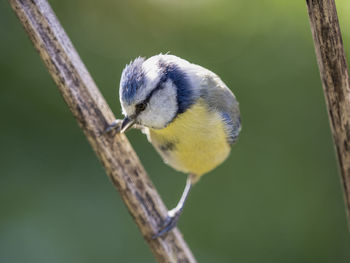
127,124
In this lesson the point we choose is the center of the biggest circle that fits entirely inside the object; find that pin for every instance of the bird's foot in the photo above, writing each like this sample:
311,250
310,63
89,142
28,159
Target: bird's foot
169,223
116,125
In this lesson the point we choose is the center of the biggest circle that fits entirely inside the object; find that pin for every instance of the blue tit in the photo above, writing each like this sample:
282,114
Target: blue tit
187,112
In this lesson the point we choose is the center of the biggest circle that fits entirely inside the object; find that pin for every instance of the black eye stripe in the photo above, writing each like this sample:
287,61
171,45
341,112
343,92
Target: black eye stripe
159,87
149,96
143,104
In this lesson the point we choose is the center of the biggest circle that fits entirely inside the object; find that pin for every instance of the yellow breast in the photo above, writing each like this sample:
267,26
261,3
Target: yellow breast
195,142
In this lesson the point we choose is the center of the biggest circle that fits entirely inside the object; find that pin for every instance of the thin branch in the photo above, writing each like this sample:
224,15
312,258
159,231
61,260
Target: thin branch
93,115
335,81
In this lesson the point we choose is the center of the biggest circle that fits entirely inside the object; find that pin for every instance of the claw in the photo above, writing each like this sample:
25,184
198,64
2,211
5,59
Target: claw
169,223
116,125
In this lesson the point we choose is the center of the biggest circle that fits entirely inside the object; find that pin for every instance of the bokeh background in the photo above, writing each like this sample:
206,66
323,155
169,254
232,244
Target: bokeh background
276,199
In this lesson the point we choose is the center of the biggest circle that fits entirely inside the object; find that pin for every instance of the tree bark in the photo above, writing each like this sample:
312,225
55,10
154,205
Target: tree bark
93,115
335,81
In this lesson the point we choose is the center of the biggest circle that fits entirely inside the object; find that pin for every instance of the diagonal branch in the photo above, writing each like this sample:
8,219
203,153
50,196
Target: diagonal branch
93,115
335,81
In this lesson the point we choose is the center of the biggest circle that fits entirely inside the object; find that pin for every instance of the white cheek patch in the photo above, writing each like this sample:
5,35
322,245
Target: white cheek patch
162,107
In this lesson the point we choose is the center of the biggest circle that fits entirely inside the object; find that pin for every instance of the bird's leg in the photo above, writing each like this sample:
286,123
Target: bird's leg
174,214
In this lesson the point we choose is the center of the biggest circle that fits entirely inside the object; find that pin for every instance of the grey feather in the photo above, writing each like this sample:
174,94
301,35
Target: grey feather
220,98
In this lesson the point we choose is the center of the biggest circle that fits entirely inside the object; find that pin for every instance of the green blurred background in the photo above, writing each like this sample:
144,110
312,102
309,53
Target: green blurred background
276,199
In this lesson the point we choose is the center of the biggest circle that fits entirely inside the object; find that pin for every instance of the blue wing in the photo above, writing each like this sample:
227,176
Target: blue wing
232,128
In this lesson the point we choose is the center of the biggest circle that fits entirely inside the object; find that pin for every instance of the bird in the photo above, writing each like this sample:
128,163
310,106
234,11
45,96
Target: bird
186,111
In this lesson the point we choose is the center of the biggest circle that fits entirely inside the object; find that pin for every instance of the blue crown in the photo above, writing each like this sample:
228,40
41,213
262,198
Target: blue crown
133,77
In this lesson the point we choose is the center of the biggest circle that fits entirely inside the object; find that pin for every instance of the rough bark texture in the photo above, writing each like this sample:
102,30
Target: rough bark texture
335,81
93,115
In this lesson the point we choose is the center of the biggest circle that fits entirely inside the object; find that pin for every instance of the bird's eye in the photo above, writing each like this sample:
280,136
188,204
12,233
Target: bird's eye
140,107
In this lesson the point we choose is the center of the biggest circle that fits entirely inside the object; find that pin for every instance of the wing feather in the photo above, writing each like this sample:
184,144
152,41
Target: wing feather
220,98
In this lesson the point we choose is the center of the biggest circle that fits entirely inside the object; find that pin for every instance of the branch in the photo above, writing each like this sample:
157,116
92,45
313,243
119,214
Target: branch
335,81
93,116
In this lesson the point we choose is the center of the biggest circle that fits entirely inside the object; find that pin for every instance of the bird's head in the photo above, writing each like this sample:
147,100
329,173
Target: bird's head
154,91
